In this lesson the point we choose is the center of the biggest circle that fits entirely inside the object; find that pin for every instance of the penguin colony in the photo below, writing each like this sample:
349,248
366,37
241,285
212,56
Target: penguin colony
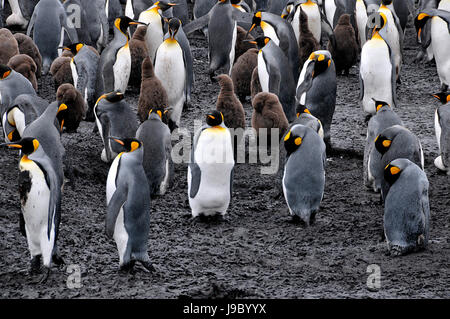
91,65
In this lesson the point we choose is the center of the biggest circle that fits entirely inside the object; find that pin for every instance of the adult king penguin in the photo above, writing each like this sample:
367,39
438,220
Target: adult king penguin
210,171
115,62
442,129
128,205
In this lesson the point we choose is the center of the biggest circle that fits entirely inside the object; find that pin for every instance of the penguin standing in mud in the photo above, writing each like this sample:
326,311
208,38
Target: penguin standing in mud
377,72
115,61
406,208
345,52
304,117
40,197
267,114
113,117
210,171
171,70
442,129
153,95
274,75
84,66
282,34
392,143
128,205
158,166
76,108
60,69
229,105
440,38
155,29
304,172
384,118
317,88
241,74
49,22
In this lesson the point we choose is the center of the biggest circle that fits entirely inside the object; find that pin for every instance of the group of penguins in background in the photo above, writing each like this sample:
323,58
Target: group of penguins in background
269,50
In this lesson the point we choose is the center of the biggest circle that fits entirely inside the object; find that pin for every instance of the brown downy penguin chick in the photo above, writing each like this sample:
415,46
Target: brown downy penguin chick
242,71
268,113
229,104
25,65
28,47
241,45
255,85
139,52
60,69
76,108
345,54
307,43
8,46
153,94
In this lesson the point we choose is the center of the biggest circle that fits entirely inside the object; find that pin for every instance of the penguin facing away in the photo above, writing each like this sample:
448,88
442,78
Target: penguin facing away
210,171
304,172
442,129
128,205
406,209
28,47
229,105
158,165
40,194
268,113
241,74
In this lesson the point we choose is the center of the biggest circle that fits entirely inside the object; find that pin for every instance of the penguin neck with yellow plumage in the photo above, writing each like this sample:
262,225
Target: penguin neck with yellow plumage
133,149
121,25
27,147
215,120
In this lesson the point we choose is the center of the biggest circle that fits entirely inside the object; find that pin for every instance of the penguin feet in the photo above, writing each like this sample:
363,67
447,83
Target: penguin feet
35,265
148,265
57,260
444,88
45,275
127,267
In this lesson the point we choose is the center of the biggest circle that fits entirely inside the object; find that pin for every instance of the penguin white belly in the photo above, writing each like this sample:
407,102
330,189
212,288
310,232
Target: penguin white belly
270,32
165,182
107,9
129,12
111,179
120,235
393,39
438,130
263,75
170,70
441,48
122,69
35,212
233,45
330,9
74,73
314,23
301,78
361,20
285,192
154,36
375,72
214,156
296,23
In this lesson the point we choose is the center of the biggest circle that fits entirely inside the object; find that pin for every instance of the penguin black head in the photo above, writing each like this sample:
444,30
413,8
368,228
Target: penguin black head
382,144
122,23
386,2
321,63
419,23
5,71
158,112
443,97
129,144
174,26
391,173
114,97
256,21
261,41
27,145
163,6
380,22
292,141
74,47
287,10
62,110
214,118
301,109
380,104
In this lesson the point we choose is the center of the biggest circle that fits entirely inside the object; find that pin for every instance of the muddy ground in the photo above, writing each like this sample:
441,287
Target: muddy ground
256,252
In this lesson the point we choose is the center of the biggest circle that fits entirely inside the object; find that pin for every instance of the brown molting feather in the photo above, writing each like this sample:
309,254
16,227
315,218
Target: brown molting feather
76,108
25,65
28,47
8,46
229,104
242,71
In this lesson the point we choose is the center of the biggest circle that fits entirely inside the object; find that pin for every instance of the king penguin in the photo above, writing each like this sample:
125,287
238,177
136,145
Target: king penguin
128,205
84,66
113,116
304,172
40,197
49,22
377,74
210,171
442,129
171,70
440,38
406,208
158,166
155,29
115,61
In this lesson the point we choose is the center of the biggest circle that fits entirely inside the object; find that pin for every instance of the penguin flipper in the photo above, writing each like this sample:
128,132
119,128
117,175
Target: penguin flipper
195,169
393,77
444,15
361,87
196,24
31,24
307,81
115,204
242,17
